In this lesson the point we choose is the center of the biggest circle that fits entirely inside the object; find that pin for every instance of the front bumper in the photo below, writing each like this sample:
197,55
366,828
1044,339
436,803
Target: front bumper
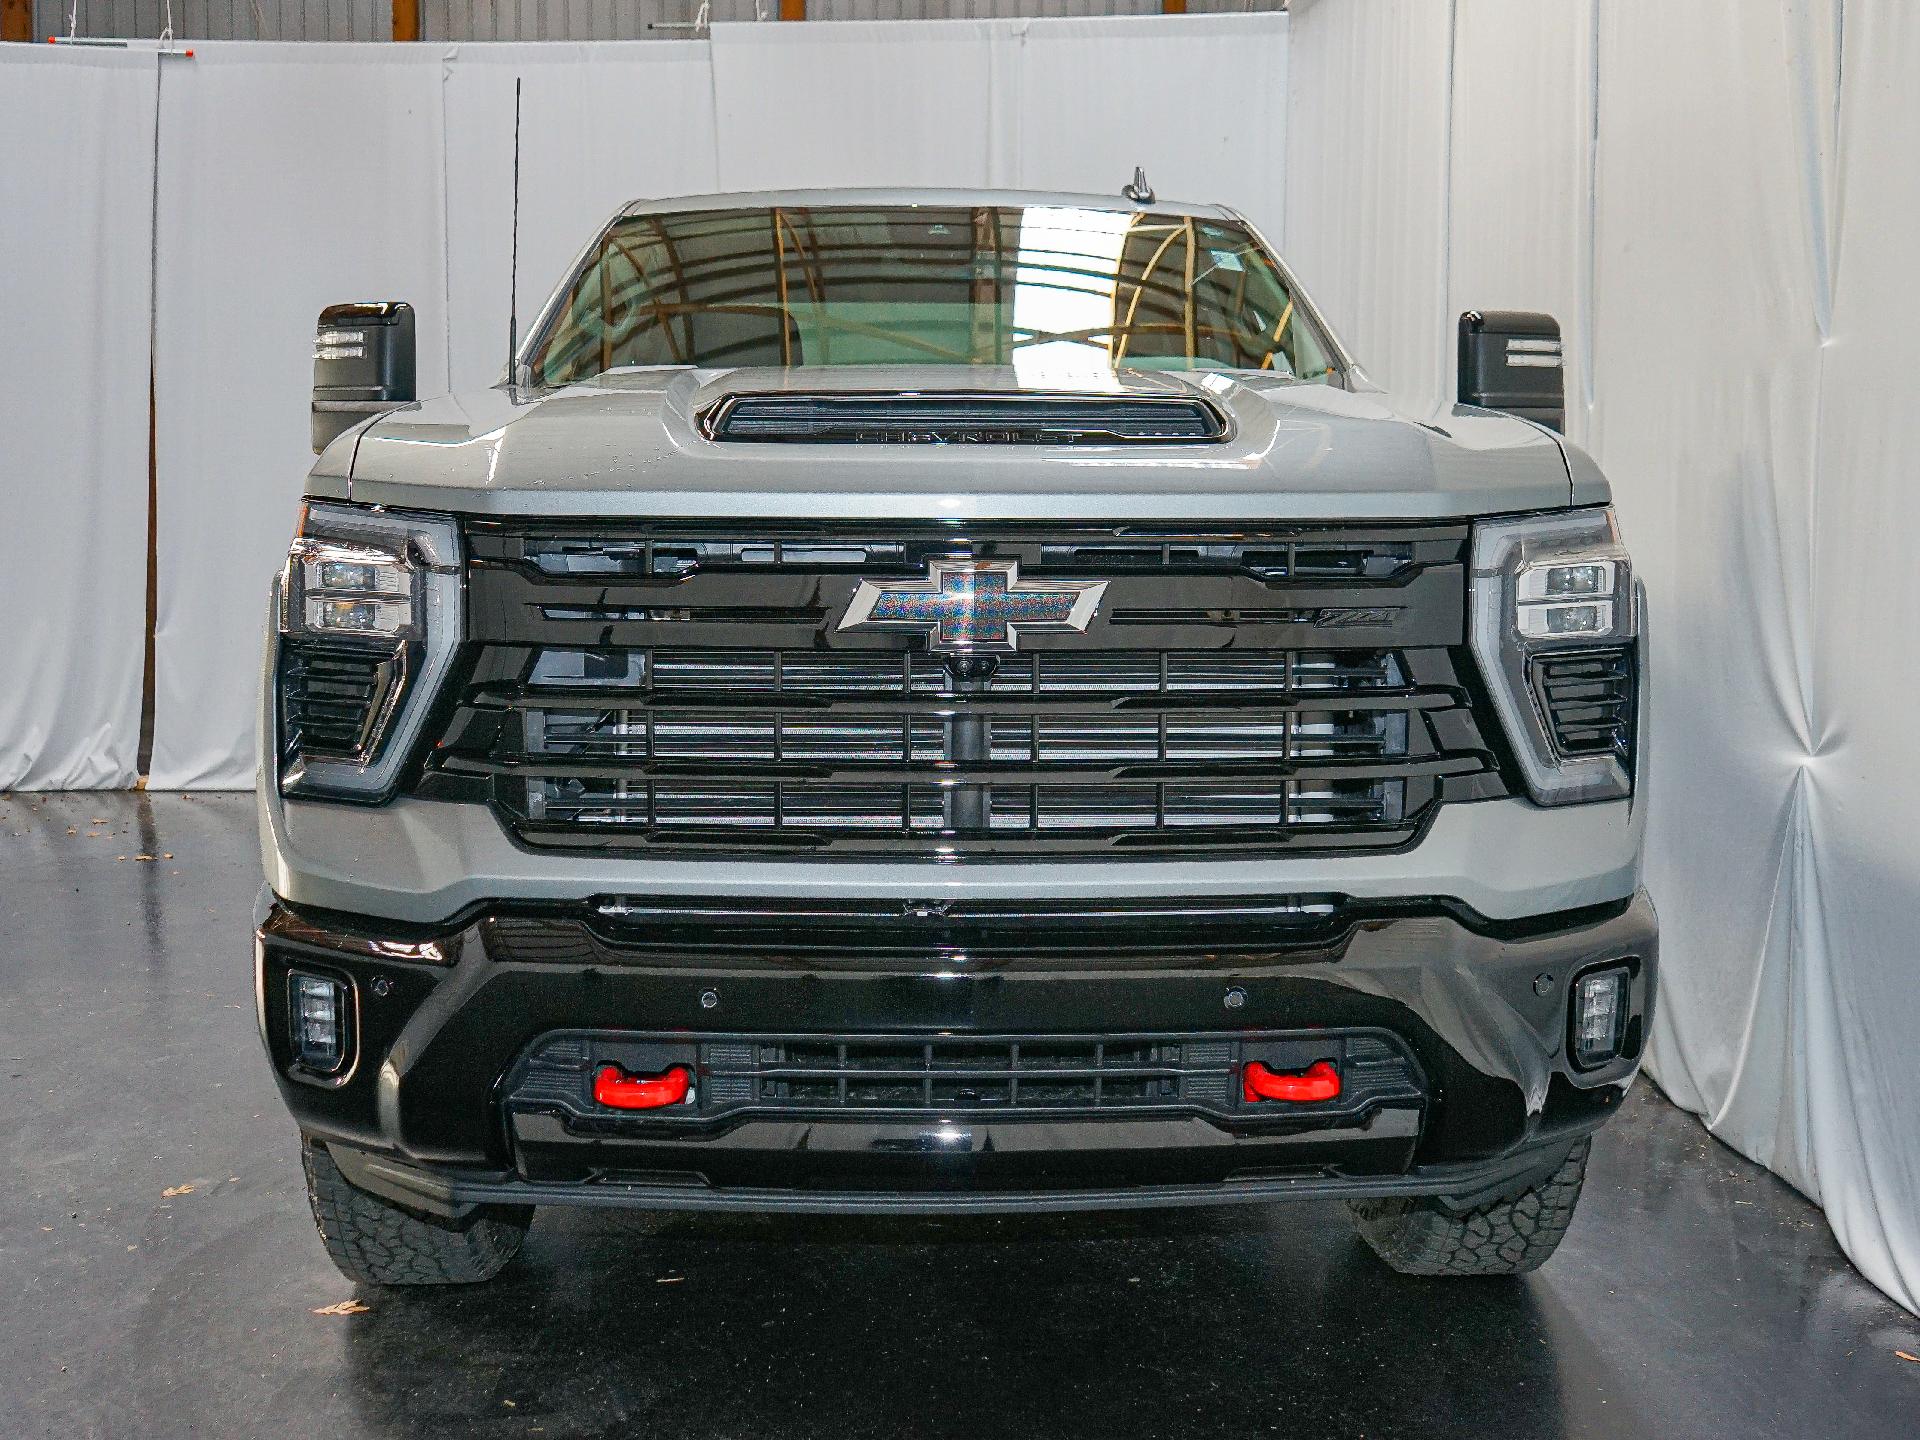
445,1015
427,861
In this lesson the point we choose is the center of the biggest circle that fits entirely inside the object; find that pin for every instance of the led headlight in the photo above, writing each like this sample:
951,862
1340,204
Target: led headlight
1554,630
369,619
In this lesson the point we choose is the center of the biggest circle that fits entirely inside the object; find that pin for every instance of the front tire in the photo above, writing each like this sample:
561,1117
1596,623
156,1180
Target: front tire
379,1243
1509,1236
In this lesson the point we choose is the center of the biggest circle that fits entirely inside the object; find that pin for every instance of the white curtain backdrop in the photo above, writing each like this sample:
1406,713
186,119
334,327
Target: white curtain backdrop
860,103
1070,104
76,189
1366,140
1717,199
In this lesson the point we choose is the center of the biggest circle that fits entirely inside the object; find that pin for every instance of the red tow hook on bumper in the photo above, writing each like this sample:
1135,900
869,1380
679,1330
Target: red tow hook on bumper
613,1086
1319,1082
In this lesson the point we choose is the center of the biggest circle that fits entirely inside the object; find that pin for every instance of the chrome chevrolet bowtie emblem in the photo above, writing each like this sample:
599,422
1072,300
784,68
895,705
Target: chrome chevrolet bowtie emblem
974,605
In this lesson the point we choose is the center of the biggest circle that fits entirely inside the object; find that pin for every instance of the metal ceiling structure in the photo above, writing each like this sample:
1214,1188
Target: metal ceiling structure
468,20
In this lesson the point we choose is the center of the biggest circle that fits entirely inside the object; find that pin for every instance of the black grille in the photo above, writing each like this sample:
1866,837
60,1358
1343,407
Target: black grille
945,419
332,697
960,1075
693,690
1587,697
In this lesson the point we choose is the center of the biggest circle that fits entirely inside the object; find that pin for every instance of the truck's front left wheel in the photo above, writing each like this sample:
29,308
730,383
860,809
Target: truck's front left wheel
1506,1236
380,1243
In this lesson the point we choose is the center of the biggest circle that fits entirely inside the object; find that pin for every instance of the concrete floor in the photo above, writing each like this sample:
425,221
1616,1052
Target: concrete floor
159,1273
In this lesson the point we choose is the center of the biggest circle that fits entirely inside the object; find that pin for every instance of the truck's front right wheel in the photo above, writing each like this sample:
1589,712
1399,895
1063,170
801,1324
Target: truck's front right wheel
380,1243
1507,1236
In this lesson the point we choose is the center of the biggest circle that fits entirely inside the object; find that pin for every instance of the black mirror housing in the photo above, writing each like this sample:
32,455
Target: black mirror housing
1511,360
363,363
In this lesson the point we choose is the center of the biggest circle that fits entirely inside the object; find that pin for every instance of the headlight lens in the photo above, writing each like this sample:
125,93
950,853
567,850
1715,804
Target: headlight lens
369,620
1554,630
353,589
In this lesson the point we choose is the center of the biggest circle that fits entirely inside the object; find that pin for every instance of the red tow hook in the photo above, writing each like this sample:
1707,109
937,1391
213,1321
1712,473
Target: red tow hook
1319,1082
613,1086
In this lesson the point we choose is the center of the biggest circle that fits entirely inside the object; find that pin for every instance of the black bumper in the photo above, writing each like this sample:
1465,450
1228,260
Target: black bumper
436,1107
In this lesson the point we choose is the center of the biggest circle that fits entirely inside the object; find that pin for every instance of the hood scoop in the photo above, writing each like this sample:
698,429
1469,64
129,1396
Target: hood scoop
963,418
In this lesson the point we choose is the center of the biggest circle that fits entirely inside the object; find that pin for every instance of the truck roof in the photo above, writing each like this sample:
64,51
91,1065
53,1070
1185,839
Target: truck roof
882,196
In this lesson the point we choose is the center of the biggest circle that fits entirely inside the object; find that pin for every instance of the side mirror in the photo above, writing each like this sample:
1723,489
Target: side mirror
362,365
1510,360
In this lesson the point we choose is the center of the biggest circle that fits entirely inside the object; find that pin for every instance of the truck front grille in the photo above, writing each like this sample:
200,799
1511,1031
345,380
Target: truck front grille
692,691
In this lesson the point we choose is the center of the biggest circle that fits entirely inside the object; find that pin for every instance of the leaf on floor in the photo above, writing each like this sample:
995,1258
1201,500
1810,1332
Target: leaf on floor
1905,1356
344,1307
173,1190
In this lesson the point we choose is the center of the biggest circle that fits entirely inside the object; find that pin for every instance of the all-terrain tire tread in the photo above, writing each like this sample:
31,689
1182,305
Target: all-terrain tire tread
1508,1236
381,1244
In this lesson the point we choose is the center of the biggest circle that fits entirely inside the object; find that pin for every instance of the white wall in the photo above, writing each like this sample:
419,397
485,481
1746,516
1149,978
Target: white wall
1718,200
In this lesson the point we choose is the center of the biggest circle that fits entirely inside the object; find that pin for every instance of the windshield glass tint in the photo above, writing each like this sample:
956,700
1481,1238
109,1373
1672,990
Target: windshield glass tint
1043,289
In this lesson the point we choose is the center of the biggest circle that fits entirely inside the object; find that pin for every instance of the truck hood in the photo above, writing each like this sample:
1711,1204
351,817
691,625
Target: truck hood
629,443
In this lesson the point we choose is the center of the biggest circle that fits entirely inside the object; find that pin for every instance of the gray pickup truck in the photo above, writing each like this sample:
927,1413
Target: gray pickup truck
947,702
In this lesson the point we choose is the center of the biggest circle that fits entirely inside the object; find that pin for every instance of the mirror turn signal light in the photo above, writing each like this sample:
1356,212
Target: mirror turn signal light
1318,1082
613,1086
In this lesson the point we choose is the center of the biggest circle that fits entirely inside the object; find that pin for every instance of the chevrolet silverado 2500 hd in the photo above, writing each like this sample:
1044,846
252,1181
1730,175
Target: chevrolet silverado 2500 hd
947,702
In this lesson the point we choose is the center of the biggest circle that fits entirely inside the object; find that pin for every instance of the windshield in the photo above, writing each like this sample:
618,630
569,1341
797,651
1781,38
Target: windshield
1043,289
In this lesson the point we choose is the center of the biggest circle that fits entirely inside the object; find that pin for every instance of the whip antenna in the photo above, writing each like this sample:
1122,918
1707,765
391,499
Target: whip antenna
513,280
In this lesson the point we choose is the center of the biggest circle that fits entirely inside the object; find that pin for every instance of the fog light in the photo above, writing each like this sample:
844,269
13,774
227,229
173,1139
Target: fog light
1599,1018
318,1011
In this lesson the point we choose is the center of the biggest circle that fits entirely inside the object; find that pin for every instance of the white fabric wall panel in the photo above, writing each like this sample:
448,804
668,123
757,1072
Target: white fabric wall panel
76,177
289,178
857,104
1366,165
864,103
600,125
1087,100
1858,1144
1702,255
1521,164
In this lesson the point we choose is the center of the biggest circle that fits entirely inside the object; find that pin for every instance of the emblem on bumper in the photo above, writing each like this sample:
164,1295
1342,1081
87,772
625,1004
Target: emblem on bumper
974,605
